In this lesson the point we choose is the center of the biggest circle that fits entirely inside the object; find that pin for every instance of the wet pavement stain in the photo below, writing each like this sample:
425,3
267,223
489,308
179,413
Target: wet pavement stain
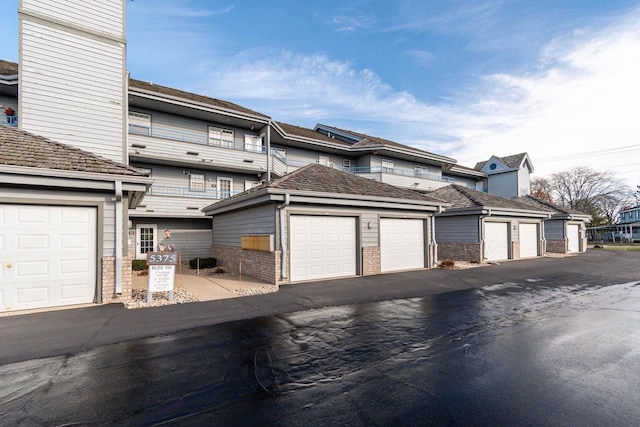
509,354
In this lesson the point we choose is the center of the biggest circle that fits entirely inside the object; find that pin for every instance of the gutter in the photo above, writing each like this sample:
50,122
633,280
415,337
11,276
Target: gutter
283,243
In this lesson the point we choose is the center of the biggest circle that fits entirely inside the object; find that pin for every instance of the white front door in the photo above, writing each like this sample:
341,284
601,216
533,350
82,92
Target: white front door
146,239
401,244
528,240
48,256
322,247
573,235
496,241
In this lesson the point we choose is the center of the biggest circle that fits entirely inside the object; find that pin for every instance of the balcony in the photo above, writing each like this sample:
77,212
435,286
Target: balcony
179,202
148,143
9,120
160,190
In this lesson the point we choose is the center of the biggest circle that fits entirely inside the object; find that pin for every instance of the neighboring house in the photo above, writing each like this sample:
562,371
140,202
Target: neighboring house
509,176
627,229
319,223
484,227
62,223
565,231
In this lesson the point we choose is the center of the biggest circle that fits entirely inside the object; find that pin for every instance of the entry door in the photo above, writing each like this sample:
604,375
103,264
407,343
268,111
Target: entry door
496,241
322,247
573,235
146,240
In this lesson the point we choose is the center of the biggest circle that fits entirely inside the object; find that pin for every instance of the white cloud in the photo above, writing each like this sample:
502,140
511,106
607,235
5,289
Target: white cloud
583,97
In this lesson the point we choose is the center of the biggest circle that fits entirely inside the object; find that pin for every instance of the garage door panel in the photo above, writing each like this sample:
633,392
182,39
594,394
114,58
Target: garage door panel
52,252
401,244
496,241
573,235
528,234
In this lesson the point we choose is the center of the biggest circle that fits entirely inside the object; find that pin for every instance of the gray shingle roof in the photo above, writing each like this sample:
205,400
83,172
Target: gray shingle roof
310,133
317,178
139,84
462,197
373,141
8,68
21,148
544,205
513,161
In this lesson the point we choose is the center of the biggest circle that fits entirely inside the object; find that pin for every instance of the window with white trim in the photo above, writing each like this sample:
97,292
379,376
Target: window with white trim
346,163
139,123
253,143
225,186
220,137
324,160
388,165
196,182
421,170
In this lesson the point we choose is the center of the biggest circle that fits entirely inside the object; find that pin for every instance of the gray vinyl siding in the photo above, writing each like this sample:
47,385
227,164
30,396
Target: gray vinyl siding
72,83
554,229
298,157
370,235
457,229
229,227
504,184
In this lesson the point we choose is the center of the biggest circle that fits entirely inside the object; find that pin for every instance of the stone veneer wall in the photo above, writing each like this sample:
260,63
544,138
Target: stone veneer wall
371,260
469,252
515,250
557,246
109,280
258,264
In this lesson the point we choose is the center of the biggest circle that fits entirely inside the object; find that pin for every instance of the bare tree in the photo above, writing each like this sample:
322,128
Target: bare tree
541,189
599,194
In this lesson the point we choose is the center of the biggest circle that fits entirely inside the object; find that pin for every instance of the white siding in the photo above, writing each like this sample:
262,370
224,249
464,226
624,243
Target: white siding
105,16
72,88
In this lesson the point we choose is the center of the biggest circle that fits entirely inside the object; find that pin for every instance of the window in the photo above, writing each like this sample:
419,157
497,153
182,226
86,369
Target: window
421,171
139,123
225,186
221,137
493,166
196,182
346,163
324,160
253,143
387,165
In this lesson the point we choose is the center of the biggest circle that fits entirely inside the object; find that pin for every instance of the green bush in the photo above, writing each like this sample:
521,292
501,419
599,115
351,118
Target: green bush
139,264
204,263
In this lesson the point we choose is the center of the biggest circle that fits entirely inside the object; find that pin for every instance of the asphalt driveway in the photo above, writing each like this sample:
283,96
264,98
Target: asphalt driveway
70,332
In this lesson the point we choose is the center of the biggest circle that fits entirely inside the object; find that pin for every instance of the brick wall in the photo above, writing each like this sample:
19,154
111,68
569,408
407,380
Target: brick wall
469,252
557,246
370,260
109,282
515,250
259,264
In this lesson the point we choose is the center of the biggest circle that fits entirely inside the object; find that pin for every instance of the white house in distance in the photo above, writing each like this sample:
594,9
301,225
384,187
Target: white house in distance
190,151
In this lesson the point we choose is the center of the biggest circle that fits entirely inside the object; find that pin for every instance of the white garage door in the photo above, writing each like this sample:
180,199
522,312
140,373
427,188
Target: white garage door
322,247
496,241
528,240
573,234
47,256
401,244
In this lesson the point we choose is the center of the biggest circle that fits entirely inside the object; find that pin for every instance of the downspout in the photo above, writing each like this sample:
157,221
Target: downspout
283,243
119,236
269,159
484,248
434,243
544,239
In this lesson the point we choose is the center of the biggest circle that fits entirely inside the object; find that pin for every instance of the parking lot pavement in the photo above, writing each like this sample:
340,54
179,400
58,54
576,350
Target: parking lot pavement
72,331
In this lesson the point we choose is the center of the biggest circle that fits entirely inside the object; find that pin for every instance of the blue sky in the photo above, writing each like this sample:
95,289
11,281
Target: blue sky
557,79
